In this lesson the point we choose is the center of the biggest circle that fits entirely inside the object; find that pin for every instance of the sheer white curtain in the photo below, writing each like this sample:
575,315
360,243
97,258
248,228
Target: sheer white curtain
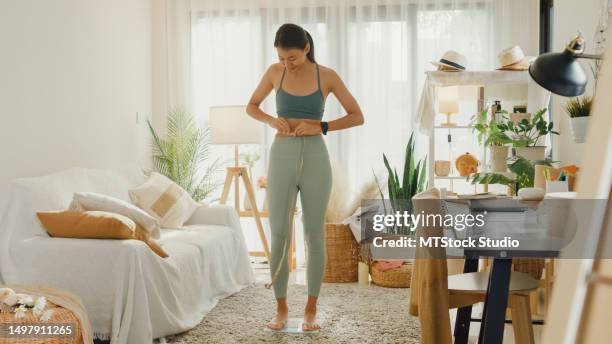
381,49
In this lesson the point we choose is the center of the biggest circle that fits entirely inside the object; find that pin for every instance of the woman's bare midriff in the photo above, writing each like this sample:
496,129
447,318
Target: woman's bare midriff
294,122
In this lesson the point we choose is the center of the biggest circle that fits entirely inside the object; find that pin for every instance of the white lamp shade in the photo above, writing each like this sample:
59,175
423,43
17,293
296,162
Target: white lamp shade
448,99
232,125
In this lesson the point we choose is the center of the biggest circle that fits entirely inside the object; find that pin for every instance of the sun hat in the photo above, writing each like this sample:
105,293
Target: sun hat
514,59
451,61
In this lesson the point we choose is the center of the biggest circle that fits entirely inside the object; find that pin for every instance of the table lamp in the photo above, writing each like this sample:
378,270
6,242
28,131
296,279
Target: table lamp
232,125
561,73
448,103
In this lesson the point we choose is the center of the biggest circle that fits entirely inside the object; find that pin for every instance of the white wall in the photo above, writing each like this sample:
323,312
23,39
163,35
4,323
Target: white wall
569,17
73,75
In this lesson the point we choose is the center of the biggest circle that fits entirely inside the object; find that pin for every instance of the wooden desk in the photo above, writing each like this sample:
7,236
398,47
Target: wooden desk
538,243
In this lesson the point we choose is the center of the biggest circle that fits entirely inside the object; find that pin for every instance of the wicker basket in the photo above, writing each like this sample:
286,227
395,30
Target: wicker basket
532,266
394,278
61,316
342,254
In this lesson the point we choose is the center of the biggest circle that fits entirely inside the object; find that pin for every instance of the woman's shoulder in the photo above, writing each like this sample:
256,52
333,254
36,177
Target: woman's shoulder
328,73
275,68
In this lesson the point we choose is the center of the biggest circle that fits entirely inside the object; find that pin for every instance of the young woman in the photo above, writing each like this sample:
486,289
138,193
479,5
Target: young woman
299,161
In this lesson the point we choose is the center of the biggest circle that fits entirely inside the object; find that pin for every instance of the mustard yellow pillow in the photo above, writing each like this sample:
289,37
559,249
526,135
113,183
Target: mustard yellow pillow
95,225
87,224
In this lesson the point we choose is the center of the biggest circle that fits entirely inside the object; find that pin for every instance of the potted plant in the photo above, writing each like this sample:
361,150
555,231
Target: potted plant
492,134
183,155
414,179
525,135
522,174
579,110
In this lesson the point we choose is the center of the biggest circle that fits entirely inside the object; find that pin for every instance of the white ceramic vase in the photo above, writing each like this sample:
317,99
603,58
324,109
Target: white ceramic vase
499,154
579,128
531,153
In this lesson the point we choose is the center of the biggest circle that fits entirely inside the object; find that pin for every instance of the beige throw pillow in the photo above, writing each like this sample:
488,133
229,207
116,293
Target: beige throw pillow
165,200
94,201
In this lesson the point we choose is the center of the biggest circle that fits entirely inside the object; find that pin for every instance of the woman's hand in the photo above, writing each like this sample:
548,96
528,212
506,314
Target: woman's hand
308,129
281,125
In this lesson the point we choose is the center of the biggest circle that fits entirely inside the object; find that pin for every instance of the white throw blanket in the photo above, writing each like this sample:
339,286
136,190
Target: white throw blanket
131,294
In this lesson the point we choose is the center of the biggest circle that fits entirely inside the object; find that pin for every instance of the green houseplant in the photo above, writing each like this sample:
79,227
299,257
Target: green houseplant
492,134
413,181
522,174
526,134
579,110
183,154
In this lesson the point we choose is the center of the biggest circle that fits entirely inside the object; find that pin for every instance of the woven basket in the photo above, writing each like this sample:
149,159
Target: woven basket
342,254
532,266
61,316
394,278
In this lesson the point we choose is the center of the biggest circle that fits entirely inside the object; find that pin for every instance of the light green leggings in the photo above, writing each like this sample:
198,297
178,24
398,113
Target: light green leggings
298,164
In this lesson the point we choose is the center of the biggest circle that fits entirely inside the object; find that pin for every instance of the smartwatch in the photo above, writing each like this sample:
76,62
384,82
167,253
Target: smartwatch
324,127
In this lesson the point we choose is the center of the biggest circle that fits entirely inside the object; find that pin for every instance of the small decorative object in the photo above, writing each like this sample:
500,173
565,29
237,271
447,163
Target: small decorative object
579,110
518,117
466,164
442,168
262,183
448,100
20,304
364,273
531,194
520,108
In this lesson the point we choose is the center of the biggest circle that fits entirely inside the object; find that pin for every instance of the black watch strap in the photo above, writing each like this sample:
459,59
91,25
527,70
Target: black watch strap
324,127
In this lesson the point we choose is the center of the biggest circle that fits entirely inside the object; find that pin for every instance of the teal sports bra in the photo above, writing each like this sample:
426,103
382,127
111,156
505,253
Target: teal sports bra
304,107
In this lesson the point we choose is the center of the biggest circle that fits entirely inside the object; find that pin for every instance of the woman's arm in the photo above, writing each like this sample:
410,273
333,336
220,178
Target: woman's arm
354,116
261,92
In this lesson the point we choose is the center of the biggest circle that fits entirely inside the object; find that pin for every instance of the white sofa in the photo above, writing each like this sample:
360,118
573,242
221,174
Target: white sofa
131,294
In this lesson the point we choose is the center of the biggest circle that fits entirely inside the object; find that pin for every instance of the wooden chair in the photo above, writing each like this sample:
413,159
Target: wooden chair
433,292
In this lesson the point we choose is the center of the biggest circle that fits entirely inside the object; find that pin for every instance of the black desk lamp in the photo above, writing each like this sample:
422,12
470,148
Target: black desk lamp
561,73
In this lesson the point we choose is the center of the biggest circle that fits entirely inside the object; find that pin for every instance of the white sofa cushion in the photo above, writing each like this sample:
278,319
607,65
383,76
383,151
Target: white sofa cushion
96,201
165,200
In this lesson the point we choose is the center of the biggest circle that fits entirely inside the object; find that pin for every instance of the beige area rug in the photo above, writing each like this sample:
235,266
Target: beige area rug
348,313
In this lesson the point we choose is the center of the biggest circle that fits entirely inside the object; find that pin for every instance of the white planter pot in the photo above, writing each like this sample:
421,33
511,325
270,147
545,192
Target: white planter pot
579,128
531,153
499,154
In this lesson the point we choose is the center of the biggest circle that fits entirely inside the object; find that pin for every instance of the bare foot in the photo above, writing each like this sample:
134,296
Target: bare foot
310,323
279,321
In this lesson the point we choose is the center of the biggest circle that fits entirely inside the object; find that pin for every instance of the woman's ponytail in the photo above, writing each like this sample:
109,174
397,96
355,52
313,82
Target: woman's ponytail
310,55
